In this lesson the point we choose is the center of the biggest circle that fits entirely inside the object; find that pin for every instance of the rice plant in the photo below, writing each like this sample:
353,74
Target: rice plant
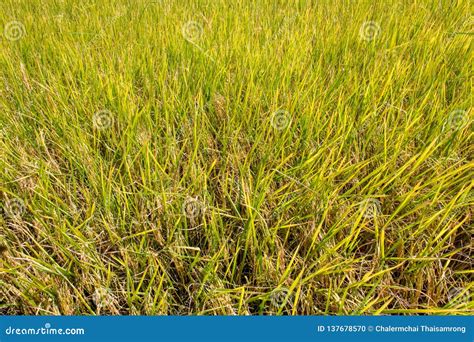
236,157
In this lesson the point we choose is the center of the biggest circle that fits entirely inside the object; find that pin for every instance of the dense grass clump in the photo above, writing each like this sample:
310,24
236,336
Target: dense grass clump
236,157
